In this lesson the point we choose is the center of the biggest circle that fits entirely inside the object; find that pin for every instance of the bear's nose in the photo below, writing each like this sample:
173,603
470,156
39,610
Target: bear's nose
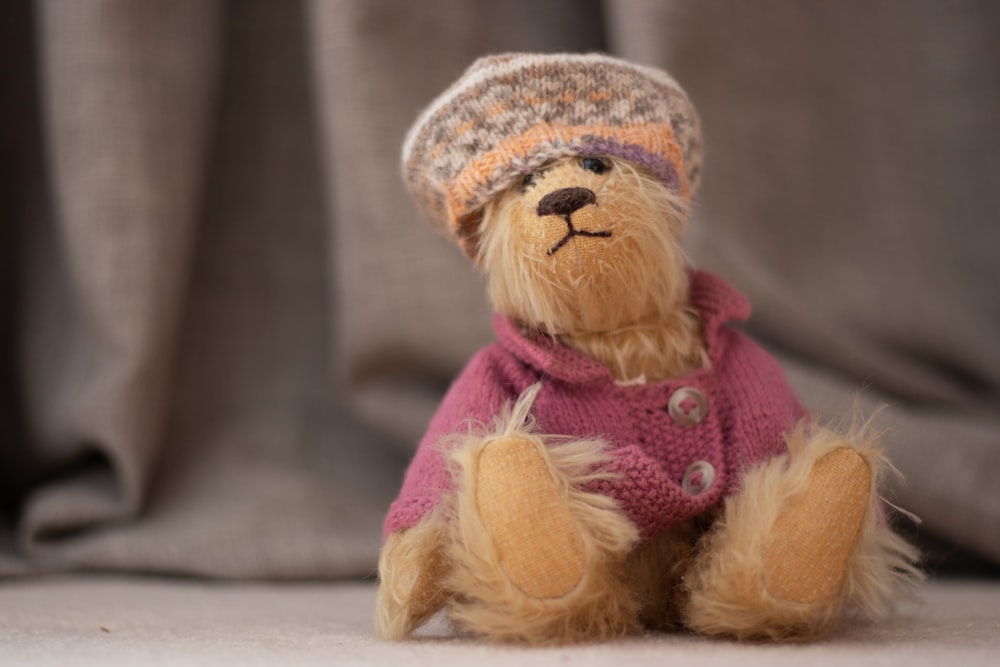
565,200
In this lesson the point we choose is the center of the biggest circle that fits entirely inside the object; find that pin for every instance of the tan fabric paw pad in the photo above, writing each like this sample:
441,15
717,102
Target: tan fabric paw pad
811,541
526,514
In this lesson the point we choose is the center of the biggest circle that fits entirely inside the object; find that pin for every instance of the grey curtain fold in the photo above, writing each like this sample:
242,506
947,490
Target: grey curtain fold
225,325
229,323
125,122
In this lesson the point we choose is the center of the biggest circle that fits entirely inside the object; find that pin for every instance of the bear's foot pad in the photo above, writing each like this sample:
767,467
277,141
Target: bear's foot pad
525,511
805,559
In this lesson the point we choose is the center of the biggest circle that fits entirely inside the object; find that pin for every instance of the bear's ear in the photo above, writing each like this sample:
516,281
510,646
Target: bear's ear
469,233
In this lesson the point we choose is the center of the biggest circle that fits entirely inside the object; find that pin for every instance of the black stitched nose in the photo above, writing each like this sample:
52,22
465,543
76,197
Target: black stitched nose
565,201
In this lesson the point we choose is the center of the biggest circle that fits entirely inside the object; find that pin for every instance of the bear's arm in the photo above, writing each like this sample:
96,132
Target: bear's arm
478,394
763,407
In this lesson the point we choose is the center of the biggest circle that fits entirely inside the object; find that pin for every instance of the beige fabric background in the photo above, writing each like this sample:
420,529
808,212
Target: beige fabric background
225,327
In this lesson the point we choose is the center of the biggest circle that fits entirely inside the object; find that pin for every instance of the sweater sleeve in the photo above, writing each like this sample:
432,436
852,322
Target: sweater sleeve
763,405
478,394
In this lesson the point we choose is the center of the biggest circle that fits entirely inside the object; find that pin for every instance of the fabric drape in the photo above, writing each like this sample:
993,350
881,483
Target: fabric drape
225,325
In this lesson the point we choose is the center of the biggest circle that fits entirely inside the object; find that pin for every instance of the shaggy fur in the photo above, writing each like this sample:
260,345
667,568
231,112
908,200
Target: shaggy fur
490,605
621,300
411,569
727,587
656,571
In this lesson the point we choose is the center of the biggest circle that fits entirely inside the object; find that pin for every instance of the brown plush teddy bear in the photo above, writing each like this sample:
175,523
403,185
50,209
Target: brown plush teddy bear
620,458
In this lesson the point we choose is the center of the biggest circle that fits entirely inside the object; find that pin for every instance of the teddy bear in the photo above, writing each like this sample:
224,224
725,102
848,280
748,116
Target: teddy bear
622,458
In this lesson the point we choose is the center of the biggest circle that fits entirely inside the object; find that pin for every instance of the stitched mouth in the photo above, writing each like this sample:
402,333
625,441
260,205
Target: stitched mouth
564,202
572,232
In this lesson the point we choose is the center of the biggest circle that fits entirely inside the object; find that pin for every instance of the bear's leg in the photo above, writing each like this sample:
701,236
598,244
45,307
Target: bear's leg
411,570
534,557
801,540
525,512
806,555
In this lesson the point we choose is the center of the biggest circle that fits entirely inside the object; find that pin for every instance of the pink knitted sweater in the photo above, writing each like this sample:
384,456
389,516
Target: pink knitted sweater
670,467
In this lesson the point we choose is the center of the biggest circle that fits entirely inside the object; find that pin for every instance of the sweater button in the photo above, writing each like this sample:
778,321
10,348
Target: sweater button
698,478
688,406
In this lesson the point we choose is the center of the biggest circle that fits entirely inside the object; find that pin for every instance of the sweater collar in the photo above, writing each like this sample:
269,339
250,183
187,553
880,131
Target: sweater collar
715,300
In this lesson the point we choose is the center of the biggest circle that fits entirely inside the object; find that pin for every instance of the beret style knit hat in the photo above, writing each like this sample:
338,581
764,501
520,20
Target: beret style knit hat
510,114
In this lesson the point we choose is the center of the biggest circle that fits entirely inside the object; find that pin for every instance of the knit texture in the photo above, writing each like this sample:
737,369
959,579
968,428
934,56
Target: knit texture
510,114
749,409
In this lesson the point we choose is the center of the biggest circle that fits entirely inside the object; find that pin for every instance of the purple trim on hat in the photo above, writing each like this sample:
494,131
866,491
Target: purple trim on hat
664,169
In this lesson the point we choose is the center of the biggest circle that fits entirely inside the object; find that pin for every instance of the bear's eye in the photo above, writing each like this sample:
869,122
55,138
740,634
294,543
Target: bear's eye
595,165
527,181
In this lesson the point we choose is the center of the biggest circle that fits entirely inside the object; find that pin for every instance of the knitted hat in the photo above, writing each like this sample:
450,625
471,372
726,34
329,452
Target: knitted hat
510,114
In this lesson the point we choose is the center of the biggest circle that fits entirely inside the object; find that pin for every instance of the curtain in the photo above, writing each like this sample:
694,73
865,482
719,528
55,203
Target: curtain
225,325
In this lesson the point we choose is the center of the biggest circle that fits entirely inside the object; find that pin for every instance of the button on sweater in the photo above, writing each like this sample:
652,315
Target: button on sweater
743,405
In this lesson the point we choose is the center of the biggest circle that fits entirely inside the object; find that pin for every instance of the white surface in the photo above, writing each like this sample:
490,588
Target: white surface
112,621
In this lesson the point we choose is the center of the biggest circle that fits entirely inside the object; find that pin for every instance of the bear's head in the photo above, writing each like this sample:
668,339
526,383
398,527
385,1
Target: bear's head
568,179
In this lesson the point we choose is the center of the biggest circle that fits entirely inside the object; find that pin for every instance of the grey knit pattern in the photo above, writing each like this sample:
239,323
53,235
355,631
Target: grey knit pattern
510,114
